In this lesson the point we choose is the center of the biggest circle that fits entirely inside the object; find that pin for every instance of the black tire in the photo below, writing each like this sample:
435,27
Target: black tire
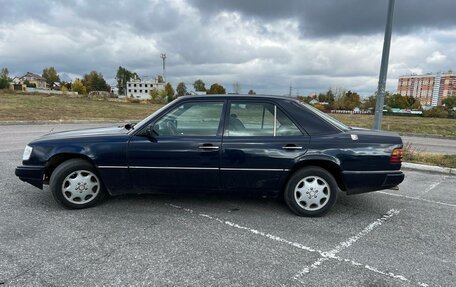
327,188
68,168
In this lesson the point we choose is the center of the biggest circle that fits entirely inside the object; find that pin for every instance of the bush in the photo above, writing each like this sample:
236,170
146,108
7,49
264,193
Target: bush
319,106
436,112
133,100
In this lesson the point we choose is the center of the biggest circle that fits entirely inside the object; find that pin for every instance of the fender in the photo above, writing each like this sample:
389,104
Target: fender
316,156
72,150
326,161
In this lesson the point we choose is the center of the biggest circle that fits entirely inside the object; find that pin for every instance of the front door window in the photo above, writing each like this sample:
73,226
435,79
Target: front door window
191,119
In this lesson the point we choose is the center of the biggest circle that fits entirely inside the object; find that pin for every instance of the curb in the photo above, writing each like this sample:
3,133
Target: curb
428,168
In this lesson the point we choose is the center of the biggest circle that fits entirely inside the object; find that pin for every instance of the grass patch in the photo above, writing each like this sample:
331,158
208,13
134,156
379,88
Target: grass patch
26,107
414,125
412,154
38,107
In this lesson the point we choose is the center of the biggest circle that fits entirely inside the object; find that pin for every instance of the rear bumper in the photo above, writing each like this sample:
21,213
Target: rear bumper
366,181
31,174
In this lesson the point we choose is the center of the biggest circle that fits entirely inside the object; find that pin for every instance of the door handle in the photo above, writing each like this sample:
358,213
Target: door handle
208,146
292,147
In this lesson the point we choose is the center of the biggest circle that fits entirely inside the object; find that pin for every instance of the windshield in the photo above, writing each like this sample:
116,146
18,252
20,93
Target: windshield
327,118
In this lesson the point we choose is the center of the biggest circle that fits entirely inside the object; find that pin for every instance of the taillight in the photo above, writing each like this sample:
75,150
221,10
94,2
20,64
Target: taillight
396,155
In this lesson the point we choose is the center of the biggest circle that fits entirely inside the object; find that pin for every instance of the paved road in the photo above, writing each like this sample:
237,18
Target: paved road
434,145
390,238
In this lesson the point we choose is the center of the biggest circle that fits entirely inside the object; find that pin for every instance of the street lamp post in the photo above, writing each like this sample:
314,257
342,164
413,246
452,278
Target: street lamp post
163,56
384,68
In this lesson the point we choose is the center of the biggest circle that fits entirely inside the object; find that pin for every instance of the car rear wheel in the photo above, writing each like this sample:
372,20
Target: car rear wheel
311,191
75,184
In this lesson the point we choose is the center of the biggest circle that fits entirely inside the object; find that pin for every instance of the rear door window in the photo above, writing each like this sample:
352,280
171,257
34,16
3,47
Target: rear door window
259,119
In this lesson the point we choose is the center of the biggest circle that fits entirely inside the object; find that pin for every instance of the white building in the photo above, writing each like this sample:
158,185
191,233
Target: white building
141,89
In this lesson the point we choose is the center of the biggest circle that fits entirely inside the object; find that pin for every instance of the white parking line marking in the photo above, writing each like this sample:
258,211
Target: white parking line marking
324,255
417,198
345,244
235,225
435,184
270,236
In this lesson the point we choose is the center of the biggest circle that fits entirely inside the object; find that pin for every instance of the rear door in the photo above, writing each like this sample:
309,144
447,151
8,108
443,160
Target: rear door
260,143
185,151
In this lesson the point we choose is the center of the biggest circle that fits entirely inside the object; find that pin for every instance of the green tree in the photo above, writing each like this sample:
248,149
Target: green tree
94,81
321,97
4,79
216,89
436,112
160,79
304,99
181,89
327,97
79,87
397,101
450,102
413,103
352,100
158,96
169,92
252,92
346,100
51,76
199,86
123,76
369,103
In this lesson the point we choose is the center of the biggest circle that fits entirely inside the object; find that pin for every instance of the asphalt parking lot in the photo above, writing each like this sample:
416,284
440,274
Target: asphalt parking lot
388,238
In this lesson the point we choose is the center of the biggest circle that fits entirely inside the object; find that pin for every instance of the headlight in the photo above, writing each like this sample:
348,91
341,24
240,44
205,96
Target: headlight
27,152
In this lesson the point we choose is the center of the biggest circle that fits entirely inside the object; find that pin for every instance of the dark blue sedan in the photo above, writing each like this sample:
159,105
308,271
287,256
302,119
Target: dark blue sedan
255,145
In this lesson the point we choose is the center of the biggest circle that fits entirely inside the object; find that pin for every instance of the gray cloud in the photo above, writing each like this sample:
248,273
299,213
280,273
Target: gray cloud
265,45
343,17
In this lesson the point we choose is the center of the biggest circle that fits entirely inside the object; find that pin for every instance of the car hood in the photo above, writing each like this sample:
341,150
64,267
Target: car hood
82,133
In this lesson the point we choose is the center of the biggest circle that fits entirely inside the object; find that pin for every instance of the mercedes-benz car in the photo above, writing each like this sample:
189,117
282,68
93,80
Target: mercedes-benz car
244,145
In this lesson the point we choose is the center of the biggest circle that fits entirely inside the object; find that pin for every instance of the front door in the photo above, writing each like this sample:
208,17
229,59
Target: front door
184,154
260,143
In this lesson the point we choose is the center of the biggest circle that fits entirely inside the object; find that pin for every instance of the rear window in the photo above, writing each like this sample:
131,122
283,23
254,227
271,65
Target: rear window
326,117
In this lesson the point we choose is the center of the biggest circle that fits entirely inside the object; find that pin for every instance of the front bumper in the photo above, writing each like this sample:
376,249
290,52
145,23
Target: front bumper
31,174
366,181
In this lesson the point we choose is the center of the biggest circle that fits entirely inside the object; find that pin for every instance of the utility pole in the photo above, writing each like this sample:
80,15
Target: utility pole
384,68
163,56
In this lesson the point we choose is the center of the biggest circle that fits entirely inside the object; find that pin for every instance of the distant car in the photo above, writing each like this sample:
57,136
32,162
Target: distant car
255,145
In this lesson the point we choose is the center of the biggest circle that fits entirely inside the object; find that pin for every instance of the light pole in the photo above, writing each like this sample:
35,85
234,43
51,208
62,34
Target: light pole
384,68
163,56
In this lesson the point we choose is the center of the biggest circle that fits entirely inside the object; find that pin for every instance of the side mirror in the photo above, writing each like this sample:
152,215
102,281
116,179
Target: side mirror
150,132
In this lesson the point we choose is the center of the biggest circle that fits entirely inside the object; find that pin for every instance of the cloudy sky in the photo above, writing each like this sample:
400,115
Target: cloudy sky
264,45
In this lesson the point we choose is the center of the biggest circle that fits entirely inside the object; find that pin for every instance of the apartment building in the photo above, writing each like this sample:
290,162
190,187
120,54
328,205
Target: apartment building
140,89
430,89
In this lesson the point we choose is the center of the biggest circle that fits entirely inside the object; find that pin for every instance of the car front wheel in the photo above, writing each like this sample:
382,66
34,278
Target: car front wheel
311,191
75,184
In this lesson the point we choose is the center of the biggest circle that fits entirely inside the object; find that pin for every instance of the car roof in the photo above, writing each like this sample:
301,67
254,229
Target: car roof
228,96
